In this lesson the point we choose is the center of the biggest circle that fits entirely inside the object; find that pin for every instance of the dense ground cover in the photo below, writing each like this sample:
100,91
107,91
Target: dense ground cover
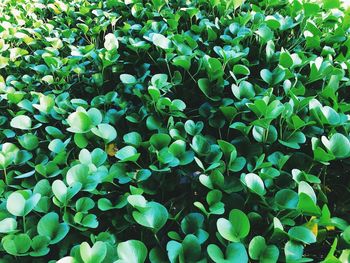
174,131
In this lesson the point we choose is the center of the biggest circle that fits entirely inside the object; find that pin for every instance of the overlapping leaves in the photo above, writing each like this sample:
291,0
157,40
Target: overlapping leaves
159,131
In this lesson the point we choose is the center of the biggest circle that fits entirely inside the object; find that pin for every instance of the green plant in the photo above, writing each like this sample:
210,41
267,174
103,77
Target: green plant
174,131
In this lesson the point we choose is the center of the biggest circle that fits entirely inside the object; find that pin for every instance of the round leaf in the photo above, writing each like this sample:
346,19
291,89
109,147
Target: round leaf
21,122
131,251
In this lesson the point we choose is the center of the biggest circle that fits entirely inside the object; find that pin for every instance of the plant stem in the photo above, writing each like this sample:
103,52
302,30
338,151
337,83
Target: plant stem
156,237
138,165
5,175
266,134
24,224
167,64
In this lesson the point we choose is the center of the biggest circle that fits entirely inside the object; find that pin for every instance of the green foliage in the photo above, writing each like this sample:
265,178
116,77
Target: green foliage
174,131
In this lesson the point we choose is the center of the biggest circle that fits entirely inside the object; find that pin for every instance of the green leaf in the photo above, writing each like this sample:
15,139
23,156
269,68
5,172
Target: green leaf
241,70
21,122
133,138
293,251
105,204
16,244
265,135
286,199
237,3
272,78
270,254
338,145
254,183
127,153
244,90
137,200
105,131
200,145
331,115
193,128
237,164
192,223
86,220
79,122
56,146
285,59
29,141
63,193
307,206
311,9
46,103
160,140
302,234
272,22
305,188
111,42
207,88
49,226
236,228
80,140
79,173
182,61
98,157
84,204
95,116
94,254
8,225
161,41
21,203
40,246
15,97
265,33
128,79
258,250
131,251
331,4
153,216
67,259
293,140
235,253
257,247
346,235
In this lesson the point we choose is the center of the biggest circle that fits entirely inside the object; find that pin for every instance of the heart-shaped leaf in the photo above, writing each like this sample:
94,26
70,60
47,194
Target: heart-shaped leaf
236,228
153,215
17,245
235,253
207,88
338,145
160,140
79,122
94,254
193,128
64,193
244,90
272,78
49,226
21,203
